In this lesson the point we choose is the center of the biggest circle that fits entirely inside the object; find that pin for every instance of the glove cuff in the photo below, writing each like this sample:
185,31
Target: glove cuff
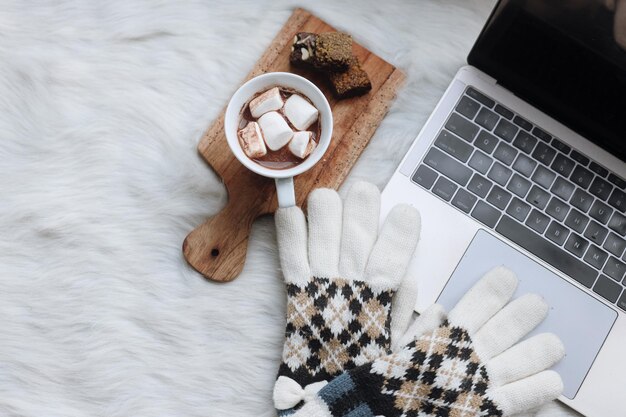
342,397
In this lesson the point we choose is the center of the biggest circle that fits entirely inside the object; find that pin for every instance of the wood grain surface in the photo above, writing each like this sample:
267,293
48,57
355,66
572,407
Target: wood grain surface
217,248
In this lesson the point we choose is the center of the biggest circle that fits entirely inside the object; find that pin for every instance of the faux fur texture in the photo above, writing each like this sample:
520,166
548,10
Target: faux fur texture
102,104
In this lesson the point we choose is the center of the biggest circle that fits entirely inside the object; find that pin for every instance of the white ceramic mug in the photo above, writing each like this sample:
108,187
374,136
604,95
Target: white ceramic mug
283,177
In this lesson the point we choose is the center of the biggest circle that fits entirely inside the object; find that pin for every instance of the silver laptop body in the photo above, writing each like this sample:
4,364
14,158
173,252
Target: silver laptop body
499,182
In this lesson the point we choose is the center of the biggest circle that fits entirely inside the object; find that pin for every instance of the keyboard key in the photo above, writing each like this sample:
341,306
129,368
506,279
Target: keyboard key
467,107
524,165
581,177
596,233
444,188
545,177
518,186
499,197
615,244
479,185
537,221
595,257
480,97
618,224
557,233
563,165
504,112
601,188
505,153
618,200
480,162
578,157
562,188
425,176
499,173
487,119
576,221
486,141
615,269
486,214
617,181
448,166
581,200
464,200
576,245
538,197
607,288
506,130
547,251
544,154
621,303
462,127
560,146
598,169
542,135
523,123
557,209
518,209
525,141
454,146
601,212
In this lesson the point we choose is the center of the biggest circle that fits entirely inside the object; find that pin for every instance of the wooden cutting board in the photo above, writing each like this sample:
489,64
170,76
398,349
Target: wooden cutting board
217,248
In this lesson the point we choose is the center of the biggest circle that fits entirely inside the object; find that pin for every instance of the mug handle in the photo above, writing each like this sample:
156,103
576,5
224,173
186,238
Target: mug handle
285,192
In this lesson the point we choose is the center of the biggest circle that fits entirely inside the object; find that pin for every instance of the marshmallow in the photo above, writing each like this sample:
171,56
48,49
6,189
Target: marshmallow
302,144
268,101
251,140
300,112
276,131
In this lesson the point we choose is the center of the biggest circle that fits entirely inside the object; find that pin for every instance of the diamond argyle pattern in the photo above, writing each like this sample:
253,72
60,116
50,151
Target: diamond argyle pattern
333,325
437,375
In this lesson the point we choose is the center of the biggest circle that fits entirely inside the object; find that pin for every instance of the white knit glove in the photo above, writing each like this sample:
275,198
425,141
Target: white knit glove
341,277
469,363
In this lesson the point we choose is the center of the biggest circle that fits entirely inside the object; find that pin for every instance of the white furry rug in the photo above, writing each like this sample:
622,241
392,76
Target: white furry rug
102,104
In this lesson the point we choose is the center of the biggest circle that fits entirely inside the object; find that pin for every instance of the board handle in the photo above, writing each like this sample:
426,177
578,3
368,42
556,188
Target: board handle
217,248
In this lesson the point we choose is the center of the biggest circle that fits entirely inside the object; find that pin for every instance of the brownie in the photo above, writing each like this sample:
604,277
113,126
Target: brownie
332,51
352,82
302,49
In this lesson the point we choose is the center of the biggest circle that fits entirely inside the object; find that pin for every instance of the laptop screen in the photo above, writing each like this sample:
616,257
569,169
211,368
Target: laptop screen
565,57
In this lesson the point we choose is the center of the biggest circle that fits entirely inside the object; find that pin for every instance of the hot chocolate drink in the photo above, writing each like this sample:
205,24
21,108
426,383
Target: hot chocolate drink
279,128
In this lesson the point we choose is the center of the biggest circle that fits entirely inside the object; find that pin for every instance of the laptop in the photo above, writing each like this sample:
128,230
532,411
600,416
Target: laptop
522,164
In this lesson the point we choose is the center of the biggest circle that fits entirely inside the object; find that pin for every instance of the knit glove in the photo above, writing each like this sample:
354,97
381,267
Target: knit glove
469,363
340,278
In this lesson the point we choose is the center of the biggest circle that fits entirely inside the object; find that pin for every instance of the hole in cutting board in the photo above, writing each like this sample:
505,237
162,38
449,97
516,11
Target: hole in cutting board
215,252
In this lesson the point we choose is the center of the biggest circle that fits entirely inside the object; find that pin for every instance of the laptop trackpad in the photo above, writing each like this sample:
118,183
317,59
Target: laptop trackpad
581,321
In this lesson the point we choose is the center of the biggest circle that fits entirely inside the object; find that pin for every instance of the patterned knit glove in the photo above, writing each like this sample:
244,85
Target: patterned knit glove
468,364
340,279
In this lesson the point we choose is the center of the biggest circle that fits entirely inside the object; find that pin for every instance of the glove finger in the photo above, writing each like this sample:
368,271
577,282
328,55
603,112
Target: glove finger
551,408
527,393
361,215
324,208
510,325
484,299
394,248
428,321
403,306
292,244
527,358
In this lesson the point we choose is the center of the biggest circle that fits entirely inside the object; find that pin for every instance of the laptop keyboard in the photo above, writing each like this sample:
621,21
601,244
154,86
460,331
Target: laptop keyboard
533,189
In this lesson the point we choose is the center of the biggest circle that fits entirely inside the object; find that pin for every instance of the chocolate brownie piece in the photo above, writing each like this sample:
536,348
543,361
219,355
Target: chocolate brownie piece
352,82
302,49
332,51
